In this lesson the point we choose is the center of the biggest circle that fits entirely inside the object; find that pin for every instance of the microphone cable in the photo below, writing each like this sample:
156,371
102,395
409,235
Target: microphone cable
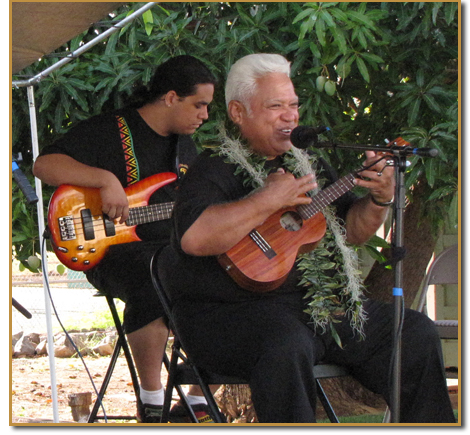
46,279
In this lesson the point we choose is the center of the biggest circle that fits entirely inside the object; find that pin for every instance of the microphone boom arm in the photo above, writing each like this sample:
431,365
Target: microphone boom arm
395,150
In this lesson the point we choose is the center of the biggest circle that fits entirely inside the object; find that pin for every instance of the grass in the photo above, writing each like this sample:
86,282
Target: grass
365,418
368,418
92,321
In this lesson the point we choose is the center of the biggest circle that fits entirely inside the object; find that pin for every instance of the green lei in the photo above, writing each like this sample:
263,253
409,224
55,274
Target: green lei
330,273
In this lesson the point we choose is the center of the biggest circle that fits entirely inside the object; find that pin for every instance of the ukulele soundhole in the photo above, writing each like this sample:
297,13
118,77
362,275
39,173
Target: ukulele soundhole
291,221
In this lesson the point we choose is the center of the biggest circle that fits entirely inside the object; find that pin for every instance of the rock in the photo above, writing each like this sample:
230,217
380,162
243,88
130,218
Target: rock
16,337
103,349
41,348
34,337
95,335
80,406
24,347
106,346
63,348
36,344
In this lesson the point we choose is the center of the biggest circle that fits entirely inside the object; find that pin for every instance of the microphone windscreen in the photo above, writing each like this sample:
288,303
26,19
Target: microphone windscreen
302,137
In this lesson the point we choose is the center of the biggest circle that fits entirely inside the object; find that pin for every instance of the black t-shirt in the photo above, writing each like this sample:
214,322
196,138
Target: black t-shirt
122,143
210,181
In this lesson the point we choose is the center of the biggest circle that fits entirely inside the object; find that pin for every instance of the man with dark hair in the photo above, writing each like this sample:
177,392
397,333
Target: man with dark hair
238,212
114,150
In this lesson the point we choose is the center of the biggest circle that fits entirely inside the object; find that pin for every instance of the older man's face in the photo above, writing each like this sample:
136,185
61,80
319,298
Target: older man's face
274,114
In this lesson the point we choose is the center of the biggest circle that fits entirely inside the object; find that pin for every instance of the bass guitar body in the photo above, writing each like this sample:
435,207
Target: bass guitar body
80,232
261,261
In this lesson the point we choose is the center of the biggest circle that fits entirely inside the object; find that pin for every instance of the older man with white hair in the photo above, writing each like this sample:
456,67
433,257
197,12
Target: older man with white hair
241,211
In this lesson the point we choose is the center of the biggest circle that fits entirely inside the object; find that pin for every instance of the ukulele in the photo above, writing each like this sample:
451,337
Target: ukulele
81,233
262,260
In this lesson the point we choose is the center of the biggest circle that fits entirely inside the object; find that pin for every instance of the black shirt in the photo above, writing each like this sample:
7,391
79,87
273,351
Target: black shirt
122,143
211,181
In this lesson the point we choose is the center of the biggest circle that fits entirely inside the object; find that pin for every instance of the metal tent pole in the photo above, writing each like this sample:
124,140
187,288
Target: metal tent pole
40,210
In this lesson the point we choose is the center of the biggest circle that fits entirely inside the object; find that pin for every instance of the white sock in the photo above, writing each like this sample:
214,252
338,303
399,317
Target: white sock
152,397
196,400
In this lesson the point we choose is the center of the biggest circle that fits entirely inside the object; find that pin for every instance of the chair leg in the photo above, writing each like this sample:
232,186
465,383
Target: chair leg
121,343
125,347
172,366
94,413
216,415
326,403
387,416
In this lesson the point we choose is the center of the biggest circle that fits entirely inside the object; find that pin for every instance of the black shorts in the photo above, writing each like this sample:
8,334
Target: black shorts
124,273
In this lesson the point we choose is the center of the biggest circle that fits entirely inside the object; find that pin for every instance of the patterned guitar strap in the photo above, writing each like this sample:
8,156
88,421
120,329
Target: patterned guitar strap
132,166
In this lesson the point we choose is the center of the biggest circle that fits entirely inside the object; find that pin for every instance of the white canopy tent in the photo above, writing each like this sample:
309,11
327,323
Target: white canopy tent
37,29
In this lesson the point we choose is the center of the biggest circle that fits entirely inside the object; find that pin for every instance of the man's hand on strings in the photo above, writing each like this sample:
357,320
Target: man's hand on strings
288,191
114,201
378,178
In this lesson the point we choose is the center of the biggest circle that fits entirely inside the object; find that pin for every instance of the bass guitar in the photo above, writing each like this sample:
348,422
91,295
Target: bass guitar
81,233
262,260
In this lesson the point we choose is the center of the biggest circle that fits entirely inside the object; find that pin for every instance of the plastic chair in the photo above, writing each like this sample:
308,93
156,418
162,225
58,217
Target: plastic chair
121,343
182,371
443,270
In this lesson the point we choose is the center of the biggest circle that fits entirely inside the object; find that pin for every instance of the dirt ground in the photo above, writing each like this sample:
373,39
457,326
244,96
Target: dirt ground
31,400
31,388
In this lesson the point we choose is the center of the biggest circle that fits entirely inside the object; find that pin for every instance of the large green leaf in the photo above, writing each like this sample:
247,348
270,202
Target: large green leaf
363,69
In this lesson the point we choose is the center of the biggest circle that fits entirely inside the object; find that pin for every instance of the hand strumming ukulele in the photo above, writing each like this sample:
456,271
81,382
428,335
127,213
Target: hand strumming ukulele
261,261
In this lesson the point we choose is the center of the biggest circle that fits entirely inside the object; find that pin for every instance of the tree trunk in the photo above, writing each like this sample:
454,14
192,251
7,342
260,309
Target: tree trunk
419,244
235,403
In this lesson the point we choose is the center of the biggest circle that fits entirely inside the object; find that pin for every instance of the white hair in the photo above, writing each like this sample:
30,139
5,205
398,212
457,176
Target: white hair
242,77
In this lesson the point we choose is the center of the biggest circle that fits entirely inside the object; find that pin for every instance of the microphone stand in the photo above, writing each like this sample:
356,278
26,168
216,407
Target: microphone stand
21,309
398,154
31,198
398,298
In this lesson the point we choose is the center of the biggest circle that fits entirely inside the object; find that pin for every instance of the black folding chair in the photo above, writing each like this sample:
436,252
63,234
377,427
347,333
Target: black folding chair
182,371
121,343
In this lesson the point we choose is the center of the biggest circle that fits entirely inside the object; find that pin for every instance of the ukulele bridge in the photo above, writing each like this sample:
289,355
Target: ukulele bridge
262,244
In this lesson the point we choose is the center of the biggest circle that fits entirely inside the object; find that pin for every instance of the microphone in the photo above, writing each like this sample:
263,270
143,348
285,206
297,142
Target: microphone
303,137
425,152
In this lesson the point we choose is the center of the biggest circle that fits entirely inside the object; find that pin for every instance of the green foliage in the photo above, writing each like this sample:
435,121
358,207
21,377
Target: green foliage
25,237
394,65
372,248
98,320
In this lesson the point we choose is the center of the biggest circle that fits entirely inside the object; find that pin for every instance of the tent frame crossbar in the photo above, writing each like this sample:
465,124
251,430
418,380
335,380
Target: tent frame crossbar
79,51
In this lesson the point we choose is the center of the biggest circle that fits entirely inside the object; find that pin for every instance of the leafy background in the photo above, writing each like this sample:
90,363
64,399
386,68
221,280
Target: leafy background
394,67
